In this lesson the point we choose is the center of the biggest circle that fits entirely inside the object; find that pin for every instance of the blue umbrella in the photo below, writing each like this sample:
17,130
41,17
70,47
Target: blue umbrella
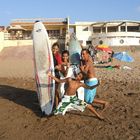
123,56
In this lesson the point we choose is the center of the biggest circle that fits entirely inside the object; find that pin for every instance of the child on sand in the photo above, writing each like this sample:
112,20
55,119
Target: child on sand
87,68
70,100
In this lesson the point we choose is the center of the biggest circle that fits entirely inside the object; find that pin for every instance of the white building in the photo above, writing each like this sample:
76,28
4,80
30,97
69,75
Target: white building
112,33
84,31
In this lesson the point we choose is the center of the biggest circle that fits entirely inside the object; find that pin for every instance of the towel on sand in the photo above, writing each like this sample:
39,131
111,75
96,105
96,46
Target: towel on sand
69,103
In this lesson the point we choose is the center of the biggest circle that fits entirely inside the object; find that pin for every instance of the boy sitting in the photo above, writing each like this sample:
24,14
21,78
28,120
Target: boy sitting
70,101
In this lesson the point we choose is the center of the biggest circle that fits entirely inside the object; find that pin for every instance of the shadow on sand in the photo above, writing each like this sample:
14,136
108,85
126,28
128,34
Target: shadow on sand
27,98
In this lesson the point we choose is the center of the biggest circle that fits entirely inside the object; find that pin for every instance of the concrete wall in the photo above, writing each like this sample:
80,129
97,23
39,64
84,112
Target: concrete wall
117,38
8,43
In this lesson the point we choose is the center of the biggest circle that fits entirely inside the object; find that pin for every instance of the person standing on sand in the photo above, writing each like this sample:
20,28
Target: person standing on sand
70,100
87,68
57,66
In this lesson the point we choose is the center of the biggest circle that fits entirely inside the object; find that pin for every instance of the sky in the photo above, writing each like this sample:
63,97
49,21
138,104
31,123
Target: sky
76,10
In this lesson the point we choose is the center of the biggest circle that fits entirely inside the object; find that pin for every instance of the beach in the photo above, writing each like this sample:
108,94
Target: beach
22,119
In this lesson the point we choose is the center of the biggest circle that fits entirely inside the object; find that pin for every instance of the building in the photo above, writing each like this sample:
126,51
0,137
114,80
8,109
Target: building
112,33
20,31
83,31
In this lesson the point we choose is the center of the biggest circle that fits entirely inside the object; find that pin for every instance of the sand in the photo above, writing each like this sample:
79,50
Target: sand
22,119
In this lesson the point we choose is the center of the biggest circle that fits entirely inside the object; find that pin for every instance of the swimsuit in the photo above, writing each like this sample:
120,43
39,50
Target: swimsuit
90,93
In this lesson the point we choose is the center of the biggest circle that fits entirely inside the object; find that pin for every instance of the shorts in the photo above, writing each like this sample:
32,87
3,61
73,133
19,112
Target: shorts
90,93
69,103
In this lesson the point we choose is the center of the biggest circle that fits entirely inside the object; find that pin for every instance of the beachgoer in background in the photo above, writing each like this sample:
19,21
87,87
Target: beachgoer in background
110,59
70,100
57,65
111,56
87,68
92,51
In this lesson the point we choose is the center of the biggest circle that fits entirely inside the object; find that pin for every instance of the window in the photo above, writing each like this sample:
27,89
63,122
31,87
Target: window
53,32
132,28
97,30
112,29
103,29
88,42
122,28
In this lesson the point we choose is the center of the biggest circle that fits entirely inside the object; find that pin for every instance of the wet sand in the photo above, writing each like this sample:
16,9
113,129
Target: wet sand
21,117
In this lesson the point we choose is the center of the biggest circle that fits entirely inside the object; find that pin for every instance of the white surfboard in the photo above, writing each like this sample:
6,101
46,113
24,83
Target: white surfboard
74,50
43,61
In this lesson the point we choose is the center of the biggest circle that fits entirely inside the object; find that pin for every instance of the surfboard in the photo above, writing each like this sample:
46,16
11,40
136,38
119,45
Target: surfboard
43,63
74,50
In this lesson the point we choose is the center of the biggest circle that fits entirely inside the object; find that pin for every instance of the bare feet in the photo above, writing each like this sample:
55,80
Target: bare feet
105,106
100,117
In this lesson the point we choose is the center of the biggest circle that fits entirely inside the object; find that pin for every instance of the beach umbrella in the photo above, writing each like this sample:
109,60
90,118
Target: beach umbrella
16,27
123,56
104,48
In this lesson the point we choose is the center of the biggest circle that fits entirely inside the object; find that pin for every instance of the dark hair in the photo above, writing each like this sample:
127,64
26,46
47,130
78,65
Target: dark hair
83,74
37,21
112,54
87,51
56,44
65,51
